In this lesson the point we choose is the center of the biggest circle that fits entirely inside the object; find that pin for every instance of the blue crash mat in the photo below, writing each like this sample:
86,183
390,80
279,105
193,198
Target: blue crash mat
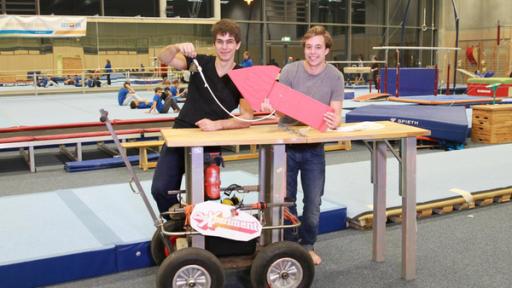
95,164
447,123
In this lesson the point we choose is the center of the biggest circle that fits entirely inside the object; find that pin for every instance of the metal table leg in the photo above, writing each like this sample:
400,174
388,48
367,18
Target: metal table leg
408,192
194,162
272,181
379,200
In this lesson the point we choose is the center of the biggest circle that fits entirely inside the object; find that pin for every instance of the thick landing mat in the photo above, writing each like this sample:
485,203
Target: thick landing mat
447,123
440,176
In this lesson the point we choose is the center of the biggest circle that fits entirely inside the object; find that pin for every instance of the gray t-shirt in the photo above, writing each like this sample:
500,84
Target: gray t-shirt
325,87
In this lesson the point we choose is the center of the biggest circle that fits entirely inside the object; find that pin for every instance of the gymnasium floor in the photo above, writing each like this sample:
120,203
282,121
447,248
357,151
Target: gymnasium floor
476,169
463,249
67,108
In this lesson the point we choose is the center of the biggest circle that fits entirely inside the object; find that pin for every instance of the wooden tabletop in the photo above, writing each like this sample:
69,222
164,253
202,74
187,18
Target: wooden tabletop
272,134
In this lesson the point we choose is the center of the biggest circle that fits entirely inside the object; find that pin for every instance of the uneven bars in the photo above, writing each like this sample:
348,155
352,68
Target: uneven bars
413,48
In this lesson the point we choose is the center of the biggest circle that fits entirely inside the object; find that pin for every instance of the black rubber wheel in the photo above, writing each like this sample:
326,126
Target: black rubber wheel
158,249
190,267
282,264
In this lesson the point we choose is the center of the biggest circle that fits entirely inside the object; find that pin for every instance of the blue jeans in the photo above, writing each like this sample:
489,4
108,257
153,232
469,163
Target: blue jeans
309,159
168,174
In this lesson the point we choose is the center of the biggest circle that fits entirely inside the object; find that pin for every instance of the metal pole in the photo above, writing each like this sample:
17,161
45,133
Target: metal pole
436,79
4,7
97,45
349,32
386,39
432,34
397,78
163,8
456,44
264,28
402,31
498,47
102,7
104,118
386,78
38,7
447,92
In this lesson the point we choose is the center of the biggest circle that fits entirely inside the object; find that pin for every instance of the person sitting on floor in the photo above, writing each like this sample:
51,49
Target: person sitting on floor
127,94
90,82
77,81
158,101
69,81
46,82
42,81
173,90
51,82
140,104
165,99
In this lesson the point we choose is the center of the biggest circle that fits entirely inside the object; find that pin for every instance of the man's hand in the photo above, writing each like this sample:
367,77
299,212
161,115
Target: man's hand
208,125
187,49
266,106
332,119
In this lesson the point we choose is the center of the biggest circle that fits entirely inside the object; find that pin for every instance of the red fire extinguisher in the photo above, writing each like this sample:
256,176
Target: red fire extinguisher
212,176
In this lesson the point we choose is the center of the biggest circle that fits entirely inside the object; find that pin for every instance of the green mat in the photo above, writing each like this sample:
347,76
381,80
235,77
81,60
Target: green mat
491,80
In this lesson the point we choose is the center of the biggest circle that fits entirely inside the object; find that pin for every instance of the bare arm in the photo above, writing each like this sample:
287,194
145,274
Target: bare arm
174,55
231,123
153,107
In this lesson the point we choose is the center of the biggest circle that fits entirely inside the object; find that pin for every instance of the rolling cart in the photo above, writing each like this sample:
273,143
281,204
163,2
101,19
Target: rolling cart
189,259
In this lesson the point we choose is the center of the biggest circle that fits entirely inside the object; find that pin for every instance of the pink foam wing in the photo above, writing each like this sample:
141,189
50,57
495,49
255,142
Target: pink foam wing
255,83
299,106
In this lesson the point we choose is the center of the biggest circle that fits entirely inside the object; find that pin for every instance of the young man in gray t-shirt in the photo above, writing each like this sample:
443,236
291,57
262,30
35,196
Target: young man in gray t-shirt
322,81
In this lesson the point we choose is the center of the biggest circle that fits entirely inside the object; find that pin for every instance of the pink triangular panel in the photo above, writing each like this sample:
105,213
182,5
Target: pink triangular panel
255,83
299,106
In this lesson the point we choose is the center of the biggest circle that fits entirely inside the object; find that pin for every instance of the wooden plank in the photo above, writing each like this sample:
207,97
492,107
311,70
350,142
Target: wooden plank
341,145
441,207
261,134
240,156
271,134
357,70
139,144
391,130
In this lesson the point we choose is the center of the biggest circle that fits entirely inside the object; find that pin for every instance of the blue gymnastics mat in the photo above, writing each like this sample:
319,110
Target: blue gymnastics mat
413,81
68,108
447,123
349,94
103,163
439,176
65,235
